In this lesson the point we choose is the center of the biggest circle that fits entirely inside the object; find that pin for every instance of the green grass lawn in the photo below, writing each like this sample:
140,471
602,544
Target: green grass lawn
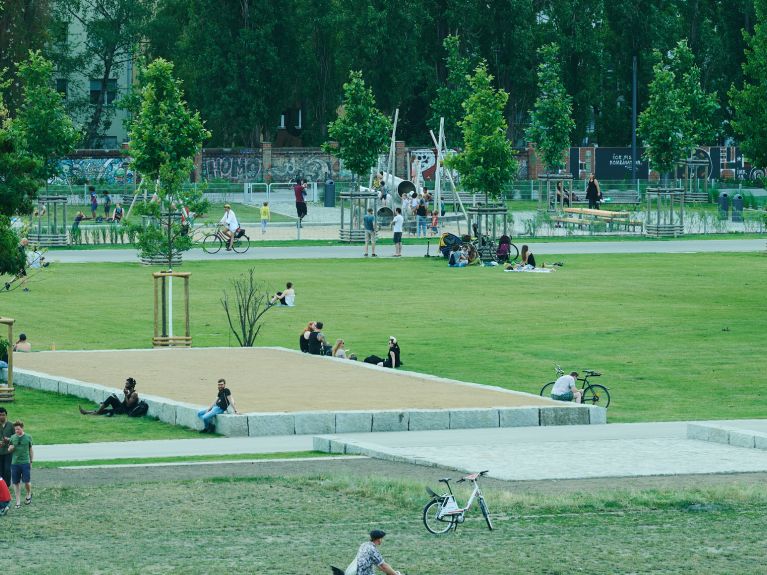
676,336
302,525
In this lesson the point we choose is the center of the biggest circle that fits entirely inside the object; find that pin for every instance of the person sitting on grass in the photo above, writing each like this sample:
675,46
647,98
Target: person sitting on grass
392,358
112,404
565,388
528,259
458,258
317,342
223,400
286,297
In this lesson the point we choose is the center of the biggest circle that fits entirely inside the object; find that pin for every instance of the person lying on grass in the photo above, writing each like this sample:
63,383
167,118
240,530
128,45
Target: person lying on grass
113,406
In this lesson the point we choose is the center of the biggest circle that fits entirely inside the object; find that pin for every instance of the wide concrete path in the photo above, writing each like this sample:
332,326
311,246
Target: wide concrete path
541,247
521,453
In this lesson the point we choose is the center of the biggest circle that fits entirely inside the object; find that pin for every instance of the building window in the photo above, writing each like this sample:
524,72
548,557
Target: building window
97,95
282,122
299,124
62,85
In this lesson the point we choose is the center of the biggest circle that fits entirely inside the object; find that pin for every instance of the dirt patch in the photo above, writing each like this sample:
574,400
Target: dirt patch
269,380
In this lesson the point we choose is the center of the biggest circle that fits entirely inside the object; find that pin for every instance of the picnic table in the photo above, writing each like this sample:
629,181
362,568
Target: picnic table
586,217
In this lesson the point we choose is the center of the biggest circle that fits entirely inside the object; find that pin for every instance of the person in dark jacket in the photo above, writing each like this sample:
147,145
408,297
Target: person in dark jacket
593,193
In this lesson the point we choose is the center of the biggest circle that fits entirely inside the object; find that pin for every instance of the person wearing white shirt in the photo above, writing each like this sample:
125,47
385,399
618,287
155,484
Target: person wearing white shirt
565,388
396,225
229,225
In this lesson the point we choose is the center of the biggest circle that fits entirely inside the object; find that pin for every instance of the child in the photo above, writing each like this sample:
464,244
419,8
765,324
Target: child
21,463
265,217
5,497
434,223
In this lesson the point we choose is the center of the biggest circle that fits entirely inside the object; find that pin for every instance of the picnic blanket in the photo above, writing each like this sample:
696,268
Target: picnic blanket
533,270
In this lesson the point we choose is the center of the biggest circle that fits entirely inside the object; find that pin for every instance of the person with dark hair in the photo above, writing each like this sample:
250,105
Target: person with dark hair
317,343
368,556
300,192
107,204
94,202
528,259
221,405
593,193
566,388
6,431
286,297
21,463
397,224
112,404
23,345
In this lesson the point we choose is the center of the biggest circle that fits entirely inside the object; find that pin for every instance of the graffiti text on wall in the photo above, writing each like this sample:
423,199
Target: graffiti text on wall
93,171
234,168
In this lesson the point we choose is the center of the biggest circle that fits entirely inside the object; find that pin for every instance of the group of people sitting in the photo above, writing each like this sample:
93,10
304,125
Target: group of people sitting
313,341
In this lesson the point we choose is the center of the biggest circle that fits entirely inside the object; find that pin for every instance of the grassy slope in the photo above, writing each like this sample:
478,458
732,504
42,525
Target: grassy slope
288,525
677,336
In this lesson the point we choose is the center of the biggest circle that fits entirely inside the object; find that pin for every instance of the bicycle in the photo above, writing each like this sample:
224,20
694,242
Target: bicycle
443,512
487,248
593,393
212,242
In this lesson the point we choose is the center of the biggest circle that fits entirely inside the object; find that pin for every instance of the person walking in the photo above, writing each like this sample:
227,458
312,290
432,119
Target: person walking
223,400
397,224
593,193
6,432
266,216
369,223
21,464
300,192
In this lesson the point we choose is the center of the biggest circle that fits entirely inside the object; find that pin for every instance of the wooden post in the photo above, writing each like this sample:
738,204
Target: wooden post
161,337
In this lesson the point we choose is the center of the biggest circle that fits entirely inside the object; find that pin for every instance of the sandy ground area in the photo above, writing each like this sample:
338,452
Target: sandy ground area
268,379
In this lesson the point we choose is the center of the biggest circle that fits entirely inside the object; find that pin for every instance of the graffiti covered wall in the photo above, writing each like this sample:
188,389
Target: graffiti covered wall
233,166
114,170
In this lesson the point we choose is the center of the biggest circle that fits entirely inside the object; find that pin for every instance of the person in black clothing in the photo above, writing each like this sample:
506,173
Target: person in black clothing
317,343
392,358
593,193
528,259
303,339
112,404
221,405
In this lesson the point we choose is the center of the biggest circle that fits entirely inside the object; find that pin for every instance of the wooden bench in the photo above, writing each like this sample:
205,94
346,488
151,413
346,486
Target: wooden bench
6,393
575,221
694,197
591,218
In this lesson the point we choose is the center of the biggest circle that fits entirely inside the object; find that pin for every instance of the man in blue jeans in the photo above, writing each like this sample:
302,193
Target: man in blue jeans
221,405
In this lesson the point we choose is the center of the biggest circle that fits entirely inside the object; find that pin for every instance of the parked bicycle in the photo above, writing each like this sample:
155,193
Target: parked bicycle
443,512
488,249
592,393
213,241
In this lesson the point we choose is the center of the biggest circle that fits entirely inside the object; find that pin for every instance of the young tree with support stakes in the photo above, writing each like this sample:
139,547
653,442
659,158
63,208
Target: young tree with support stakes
361,131
165,136
487,160
750,121
551,121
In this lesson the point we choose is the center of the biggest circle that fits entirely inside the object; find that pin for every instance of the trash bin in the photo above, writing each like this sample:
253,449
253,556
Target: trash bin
737,208
330,193
724,206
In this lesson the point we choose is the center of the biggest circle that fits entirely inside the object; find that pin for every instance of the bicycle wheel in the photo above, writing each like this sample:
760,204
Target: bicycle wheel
546,389
485,512
430,520
596,395
241,244
212,244
513,253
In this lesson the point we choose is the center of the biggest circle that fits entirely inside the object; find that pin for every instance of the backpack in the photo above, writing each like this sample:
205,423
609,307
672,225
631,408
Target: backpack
140,410
239,233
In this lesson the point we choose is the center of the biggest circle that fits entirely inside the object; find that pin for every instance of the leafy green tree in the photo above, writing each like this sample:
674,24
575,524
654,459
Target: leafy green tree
42,124
18,186
664,125
165,136
112,31
487,161
551,121
23,27
361,131
451,96
750,121
699,106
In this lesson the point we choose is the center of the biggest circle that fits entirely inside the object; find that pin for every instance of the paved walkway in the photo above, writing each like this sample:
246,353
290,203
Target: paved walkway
521,453
353,252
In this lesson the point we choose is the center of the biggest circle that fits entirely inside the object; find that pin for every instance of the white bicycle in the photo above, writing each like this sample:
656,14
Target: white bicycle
443,512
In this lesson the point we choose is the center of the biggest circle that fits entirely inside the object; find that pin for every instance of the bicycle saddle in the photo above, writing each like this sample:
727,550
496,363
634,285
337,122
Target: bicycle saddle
591,372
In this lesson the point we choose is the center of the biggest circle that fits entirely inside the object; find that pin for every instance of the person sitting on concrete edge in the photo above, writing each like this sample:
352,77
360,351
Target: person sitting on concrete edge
23,345
223,400
112,404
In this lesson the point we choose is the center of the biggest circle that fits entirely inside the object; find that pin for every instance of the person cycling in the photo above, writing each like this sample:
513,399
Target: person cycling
229,225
